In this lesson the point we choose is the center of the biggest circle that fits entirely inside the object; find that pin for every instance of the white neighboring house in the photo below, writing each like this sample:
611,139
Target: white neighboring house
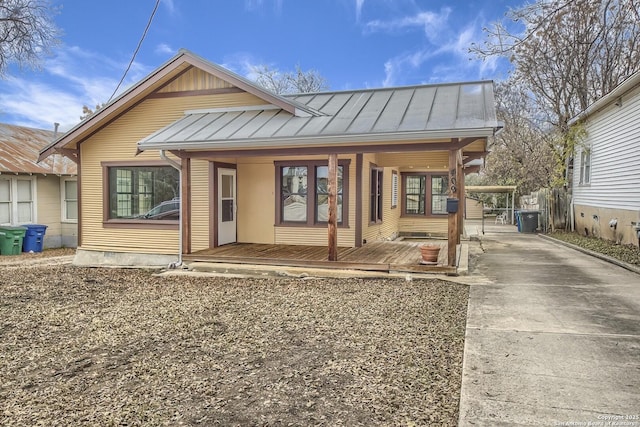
37,193
606,172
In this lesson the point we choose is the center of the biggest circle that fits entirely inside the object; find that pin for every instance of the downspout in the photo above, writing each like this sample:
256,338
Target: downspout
177,166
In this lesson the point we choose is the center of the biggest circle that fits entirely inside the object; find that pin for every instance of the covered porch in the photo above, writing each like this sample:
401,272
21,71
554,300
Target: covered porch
401,255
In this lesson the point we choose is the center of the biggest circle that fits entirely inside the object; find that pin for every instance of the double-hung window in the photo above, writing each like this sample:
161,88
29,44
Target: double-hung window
17,200
70,200
303,192
424,194
149,193
375,194
585,166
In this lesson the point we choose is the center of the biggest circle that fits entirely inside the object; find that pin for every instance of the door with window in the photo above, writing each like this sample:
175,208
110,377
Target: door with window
227,206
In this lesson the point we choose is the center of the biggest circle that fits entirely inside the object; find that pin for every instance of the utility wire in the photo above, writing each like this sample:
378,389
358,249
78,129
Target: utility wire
133,57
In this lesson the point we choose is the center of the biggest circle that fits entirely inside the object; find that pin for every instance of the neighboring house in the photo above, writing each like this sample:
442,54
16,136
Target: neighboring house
33,192
254,165
606,168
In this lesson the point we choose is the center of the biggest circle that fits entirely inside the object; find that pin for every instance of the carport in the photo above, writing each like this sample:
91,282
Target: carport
510,190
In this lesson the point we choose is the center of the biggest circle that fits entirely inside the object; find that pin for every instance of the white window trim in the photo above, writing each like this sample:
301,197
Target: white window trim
14,202
585,178
63,201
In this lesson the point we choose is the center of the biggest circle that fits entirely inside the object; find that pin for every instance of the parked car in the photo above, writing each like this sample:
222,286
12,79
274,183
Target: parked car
167,210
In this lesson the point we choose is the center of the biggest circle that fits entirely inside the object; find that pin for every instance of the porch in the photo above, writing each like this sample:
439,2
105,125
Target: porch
383,256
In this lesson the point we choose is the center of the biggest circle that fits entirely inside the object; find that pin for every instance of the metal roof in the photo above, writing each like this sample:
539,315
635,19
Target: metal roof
19,149
455,110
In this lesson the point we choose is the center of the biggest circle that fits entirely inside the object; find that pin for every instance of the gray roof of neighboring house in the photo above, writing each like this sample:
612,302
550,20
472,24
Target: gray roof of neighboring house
19,149
457,110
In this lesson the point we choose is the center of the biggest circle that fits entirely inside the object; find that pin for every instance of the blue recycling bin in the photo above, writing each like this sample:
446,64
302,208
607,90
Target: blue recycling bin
518,221
34,238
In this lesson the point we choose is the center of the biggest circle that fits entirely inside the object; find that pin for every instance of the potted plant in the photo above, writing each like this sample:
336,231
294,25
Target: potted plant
429,253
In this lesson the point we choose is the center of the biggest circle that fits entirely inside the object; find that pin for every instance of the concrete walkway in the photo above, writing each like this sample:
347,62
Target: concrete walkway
552,339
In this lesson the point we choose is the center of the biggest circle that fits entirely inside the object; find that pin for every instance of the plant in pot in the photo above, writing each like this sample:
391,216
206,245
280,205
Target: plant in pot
429,253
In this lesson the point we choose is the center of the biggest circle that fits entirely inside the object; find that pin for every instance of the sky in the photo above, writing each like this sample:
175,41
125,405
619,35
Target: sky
353,44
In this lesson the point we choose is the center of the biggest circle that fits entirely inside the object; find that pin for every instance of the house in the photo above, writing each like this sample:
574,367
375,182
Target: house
247,165
33,192
606,168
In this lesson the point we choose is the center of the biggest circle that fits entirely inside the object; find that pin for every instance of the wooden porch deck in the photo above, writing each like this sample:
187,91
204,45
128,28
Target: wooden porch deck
393,256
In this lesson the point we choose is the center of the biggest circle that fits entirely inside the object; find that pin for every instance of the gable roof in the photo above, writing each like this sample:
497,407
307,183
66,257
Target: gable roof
173,68
19,148
455,110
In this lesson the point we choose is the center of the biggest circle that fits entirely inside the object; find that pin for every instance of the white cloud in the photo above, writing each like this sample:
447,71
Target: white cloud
69,80
359,4
432,23
252,5
164,49
171,8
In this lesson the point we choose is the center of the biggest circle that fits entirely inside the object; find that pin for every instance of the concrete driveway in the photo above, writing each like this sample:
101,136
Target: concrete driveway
553,337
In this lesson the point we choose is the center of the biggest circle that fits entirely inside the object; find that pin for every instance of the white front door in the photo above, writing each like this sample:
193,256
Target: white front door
227,208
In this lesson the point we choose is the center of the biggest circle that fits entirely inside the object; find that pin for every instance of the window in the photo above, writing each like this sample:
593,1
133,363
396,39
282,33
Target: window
17,200
143,193
69,200
375,199
585,166
424,194
302,204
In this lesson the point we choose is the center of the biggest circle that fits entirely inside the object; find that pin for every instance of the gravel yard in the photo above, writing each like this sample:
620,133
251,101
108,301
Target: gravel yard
124,347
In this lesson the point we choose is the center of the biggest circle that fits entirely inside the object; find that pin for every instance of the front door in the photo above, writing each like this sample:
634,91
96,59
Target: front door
227,208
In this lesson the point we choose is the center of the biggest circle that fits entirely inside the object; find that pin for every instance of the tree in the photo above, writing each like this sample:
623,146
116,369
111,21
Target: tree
570,53
522,154
27,32
297,81
88,112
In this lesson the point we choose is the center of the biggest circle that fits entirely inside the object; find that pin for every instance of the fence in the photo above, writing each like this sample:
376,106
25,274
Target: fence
554,205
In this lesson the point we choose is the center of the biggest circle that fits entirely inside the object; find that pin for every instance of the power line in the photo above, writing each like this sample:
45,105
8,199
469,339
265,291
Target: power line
133,57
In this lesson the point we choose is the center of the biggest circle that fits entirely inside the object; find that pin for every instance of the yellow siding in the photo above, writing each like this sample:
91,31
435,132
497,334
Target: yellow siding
49,209
200,203
418,160
195,79
116,142
424,225
388,229
473,209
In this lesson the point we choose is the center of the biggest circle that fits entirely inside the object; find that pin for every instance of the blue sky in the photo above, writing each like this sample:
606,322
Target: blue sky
352,43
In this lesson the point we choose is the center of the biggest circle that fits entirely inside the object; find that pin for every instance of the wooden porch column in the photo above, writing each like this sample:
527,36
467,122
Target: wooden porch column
333,208
452,225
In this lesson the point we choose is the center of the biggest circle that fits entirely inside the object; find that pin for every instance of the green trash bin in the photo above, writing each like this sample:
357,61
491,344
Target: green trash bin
11,240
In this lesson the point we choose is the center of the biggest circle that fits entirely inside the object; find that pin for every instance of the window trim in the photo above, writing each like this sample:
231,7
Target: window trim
13,201
131,223
63,200
378,191
428,196
311,192
585,172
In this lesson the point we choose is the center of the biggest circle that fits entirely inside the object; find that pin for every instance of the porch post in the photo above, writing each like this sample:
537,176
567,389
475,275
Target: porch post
460,195
333,207
452,223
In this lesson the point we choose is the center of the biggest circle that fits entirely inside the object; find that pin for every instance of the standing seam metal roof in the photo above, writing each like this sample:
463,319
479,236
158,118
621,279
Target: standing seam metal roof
451,107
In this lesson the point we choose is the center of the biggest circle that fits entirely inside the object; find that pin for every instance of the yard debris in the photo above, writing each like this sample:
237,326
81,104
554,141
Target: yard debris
82,346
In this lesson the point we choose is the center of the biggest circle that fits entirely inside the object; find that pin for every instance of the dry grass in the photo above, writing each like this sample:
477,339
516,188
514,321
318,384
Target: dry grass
123,347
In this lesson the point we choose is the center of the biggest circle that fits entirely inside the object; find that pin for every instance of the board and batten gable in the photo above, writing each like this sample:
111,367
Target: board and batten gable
613,191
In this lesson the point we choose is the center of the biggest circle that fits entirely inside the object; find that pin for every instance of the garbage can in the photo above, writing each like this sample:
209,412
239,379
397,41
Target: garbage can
518,221
528,221
11,240
34,238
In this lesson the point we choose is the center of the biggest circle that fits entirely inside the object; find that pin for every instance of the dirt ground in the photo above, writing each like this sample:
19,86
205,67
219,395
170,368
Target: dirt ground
124,347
